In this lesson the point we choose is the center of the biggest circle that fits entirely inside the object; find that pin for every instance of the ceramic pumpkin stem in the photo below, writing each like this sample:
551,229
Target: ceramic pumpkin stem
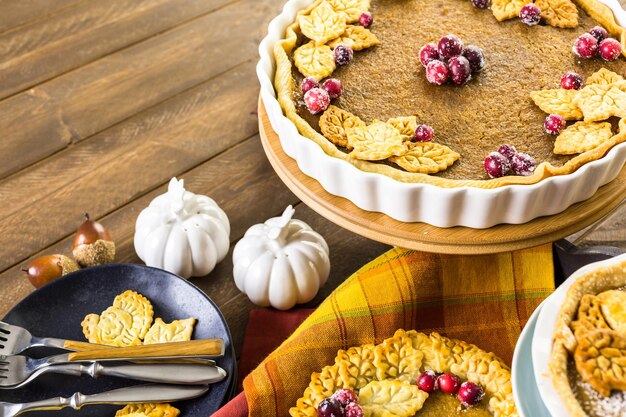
279,232
176,191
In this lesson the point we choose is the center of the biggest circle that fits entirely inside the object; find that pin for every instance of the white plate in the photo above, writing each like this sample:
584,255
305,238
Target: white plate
542,338
527,398
441,207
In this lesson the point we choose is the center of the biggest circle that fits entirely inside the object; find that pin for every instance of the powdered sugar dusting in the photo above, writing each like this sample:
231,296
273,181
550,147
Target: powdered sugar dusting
594,404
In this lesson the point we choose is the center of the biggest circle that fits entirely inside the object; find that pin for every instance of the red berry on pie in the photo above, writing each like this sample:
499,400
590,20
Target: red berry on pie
571,81
309,83
333,87
530,14
427,381
345,396
496,165
329,407
343,54
508,151
437,72
586,46
449,383
481,4
475,56
599,33
353,410
428,53
366,19
554,124
316,100
460,70
424,133
449,46
610,49
523,164
470,394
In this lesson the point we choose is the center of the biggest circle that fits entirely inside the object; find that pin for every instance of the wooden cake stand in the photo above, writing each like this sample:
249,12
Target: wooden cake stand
424,237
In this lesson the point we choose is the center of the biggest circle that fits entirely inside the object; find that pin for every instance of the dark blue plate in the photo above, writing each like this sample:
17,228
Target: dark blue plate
57,309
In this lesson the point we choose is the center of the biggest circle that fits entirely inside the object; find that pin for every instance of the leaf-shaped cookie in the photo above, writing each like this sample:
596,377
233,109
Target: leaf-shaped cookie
323,23
559,13
356,37
582,137
603,76
139,308
405,125
351,9
426,158
589,316
613,305
600,358
315,61
599,102
356,365
559,101
114,327
176,331
390,398
507,9
375,142
150,410
334,122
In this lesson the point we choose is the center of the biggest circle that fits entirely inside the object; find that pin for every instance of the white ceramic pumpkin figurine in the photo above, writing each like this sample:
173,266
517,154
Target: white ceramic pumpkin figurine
282,262
182,232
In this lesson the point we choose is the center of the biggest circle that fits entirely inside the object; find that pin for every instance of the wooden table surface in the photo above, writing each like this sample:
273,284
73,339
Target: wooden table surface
102,102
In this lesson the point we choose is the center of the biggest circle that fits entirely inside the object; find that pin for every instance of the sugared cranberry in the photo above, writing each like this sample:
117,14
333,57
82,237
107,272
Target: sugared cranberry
428,53
343,54
353,410
599,33
345,396
470,394
333,87
316,100
309,83
366,19
449,46
508,151
427,381
496,165
523,164
530,14
437,72
475,57
449,383
481,4
329,407
571,81
424,133
460,70
585,46
554,124
610,49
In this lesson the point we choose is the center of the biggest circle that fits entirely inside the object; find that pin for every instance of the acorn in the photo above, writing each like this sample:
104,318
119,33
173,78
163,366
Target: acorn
48,268
93,244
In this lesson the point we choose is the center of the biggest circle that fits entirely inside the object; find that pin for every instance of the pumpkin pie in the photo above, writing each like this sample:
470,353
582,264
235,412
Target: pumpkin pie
386,94
391,379
588,360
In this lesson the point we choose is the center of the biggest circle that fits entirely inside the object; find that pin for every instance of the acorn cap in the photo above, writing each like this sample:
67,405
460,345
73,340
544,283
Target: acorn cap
67,265
98,253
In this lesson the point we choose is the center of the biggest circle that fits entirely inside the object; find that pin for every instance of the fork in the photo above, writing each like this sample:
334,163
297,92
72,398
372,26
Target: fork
138,394
16,339
18,371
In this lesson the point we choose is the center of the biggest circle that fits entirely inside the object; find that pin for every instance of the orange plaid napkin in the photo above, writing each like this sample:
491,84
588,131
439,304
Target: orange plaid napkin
485,300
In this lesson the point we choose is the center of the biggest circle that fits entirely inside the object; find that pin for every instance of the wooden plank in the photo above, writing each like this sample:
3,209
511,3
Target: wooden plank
611,231
18,12
83,102
112,168
30,54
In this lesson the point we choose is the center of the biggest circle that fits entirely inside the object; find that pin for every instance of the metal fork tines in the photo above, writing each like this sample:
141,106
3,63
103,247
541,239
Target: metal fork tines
17,371
15,339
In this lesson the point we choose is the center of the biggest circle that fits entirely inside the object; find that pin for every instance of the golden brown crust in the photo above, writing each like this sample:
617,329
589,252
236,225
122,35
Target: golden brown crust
564,343
601,360
284,84
403,357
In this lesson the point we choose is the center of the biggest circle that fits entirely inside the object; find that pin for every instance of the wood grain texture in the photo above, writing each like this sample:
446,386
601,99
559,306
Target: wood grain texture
19,12
421,236
193,348
78,104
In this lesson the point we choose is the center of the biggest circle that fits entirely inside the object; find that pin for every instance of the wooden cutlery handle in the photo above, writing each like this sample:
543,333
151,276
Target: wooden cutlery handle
208,347
83,346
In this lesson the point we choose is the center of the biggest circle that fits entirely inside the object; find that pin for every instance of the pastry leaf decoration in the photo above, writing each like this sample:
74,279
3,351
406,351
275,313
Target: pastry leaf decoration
558,101
559,13
426,158
351,9
375,142
356,37
323,23
334,122
391,398
314,60
582,137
